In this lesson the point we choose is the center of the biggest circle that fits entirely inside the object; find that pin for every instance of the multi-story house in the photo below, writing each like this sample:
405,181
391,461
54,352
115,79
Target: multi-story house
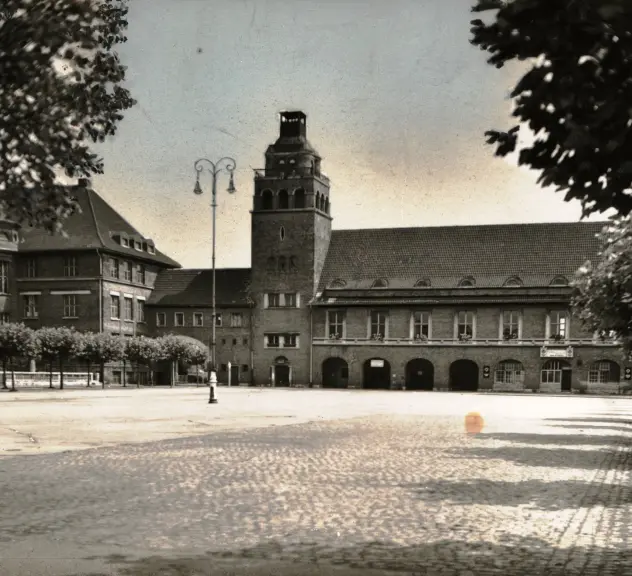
181,303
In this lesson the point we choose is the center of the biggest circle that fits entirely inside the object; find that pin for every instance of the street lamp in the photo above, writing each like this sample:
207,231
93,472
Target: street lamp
225,164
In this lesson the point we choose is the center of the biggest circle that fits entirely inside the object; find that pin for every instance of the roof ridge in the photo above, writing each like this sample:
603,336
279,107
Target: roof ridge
94,218
453,226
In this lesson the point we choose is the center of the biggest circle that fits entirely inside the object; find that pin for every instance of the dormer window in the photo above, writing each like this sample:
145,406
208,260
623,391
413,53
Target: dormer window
467,282
138,245
380,283
559,281
337,283
513,282
422,283
124,241
151,249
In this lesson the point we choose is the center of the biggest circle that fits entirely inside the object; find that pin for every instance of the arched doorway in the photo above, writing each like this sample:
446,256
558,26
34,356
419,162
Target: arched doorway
464,376
556,374
419,375
377,374
335,373
281,372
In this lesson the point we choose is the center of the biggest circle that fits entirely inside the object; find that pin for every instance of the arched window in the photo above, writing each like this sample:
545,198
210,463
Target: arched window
266,200
317,201
513,282
604,372
282,233
282,264
326,205
559,281
467,282
299,198
380,283
293,263
509,372
422,283
322,203
284,200
337,283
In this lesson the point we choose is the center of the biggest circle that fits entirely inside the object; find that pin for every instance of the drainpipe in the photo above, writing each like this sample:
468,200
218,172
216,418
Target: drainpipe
311,346
252,347
100,291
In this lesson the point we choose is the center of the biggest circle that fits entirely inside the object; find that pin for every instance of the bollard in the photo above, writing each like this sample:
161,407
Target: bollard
212,383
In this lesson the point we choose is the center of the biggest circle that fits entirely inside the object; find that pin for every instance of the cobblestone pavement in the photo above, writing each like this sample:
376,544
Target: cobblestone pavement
545,488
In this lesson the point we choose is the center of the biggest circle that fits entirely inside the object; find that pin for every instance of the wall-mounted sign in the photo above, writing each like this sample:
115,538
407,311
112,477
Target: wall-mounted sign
627,373
377,363
556,352
486,371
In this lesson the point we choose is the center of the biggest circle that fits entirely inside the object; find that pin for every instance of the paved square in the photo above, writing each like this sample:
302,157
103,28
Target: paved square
312,482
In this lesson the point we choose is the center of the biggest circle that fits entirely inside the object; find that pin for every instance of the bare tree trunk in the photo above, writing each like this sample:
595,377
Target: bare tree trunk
102,374
4,374
89,373
12,378
61,373
124,370
50,374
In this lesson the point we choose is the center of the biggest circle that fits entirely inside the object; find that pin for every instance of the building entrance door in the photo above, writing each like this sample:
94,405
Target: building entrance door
281,375
234,375
566,379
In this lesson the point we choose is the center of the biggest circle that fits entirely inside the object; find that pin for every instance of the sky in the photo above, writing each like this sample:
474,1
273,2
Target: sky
397,103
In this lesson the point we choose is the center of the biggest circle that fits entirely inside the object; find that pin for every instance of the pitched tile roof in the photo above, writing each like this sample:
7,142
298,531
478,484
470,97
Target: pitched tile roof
92,228
193,288
491,254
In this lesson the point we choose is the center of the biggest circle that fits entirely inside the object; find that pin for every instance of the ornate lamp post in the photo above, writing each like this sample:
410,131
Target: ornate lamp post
228,165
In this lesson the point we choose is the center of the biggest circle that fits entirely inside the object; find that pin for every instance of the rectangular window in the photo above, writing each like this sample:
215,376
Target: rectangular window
30,306
70,306
127,271
115,307
244,367
178,319
218,319
4,277
336,324
511,325
116,377
114,268
198,319
140,274
140,310
129,309
161,319
234,341
4,318
236,319
421,325
31,268
290,300
245,341
378,325
465,326
290,341
274,300
70,266
272,341
558,324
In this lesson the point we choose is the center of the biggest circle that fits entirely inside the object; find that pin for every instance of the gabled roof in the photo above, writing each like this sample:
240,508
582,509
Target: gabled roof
194,288
94,228
490,254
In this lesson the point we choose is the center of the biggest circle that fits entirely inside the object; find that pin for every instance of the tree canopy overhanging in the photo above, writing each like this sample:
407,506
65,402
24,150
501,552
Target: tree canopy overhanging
61,89
576,95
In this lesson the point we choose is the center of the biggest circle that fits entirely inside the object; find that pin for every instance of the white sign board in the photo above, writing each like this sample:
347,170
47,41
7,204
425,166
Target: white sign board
556,352
377,363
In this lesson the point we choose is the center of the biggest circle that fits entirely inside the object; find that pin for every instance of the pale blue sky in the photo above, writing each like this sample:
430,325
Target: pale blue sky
397,103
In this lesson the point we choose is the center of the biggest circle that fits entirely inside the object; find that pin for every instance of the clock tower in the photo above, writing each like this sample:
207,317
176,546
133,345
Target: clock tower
291,229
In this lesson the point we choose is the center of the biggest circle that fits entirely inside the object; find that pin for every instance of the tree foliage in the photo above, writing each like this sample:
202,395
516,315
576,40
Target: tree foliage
58,344
575,95
61,90
16,341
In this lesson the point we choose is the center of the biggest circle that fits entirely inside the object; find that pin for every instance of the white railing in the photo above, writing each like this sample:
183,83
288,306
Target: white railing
456,342
42,379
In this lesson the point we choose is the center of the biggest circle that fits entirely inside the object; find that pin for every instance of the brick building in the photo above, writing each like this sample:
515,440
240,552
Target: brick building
460,307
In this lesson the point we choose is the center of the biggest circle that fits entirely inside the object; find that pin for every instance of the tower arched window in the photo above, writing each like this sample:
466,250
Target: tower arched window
299,198
282,264
559,281
326,205
266,200
284,200
317,201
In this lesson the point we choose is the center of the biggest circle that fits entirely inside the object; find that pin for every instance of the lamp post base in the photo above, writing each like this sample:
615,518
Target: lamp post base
213,401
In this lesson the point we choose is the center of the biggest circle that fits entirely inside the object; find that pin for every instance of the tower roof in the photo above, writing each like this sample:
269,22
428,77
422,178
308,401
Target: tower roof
95,227
292,134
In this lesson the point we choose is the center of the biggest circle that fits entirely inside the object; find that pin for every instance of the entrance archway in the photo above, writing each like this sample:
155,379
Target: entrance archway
464,376
335,373
419,375
556,373
377,374
281,372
